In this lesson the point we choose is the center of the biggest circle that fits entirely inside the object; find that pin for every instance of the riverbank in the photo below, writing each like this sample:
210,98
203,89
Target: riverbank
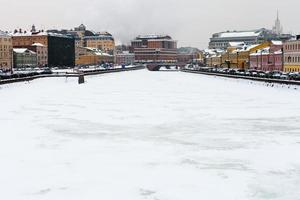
68,74
267,80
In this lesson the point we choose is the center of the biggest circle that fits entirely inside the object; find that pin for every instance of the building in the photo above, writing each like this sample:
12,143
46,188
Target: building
93,56
80,28
6,52
237,55
24,58
269,58
125,58
102,41
187,55
155,50
61,48
277,28
41,51
86,38
186,58
292,55
213,57
258,36
42,54
122,48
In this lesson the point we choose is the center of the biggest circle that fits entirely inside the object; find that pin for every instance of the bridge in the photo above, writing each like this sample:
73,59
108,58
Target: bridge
157,66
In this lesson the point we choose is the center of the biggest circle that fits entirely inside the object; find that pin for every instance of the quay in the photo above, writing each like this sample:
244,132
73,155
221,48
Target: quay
267,80
77,74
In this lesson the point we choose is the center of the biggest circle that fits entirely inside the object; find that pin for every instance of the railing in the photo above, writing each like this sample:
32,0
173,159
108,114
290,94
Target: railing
85,73
267,80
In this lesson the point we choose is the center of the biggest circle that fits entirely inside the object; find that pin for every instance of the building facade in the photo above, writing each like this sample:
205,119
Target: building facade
6,52
42,54
41,51
237,55
268,59
292,55
24,58
154,49
222,40
125,58
103,41
94,56
61,48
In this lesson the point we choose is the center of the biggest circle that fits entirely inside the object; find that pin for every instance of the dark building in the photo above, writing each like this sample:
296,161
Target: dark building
61,50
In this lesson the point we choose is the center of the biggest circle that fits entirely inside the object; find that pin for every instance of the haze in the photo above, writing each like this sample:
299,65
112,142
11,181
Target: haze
191,22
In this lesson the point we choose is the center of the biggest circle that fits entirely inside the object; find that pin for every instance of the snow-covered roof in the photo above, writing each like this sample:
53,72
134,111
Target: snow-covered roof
236,44
152,37
125,53
23,50
232,34
97,51
38,45
4,34
277,42
28,33
265,51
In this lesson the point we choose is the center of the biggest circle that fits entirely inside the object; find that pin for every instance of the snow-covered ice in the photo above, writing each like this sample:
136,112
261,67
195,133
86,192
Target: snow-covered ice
149,135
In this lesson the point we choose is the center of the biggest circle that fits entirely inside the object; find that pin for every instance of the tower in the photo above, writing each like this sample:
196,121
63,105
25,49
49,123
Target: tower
277,28
33,30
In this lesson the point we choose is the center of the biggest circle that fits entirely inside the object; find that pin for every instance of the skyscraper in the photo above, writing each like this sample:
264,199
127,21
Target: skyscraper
277,28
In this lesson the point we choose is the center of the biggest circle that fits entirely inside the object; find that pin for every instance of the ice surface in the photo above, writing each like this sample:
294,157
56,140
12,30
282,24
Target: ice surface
149,135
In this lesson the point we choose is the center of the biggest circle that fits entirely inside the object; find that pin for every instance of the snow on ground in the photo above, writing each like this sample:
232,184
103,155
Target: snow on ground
149,135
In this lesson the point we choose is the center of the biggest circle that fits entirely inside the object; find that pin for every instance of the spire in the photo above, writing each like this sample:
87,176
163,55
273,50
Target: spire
33,30
277,28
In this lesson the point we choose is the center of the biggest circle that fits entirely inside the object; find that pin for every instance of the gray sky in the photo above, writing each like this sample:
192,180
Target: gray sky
191,22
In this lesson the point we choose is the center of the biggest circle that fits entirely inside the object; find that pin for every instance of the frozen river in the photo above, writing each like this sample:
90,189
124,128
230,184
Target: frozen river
149,135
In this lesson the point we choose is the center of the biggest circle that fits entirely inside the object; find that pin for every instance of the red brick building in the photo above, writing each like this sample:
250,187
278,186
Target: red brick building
155,49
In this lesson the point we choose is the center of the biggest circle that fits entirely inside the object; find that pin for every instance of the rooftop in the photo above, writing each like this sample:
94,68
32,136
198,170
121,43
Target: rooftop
40,33
153,36
2,33
23,50
231,34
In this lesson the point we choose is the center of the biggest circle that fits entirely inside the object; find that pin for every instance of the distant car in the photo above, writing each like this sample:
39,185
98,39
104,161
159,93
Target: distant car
254,73
261,74
294,75
284,76
276,75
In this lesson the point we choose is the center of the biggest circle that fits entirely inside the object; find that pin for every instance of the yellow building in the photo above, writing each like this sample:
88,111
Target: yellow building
214,61
6,51
104,42
292,56
93,56
239,56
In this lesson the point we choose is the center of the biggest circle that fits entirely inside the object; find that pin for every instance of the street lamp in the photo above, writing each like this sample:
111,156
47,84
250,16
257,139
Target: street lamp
237,57
261,61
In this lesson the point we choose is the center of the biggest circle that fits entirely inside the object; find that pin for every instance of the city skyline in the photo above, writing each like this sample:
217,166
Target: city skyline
191,26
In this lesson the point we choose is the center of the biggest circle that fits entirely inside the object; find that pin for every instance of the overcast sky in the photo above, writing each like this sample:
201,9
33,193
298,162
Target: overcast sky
191,22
